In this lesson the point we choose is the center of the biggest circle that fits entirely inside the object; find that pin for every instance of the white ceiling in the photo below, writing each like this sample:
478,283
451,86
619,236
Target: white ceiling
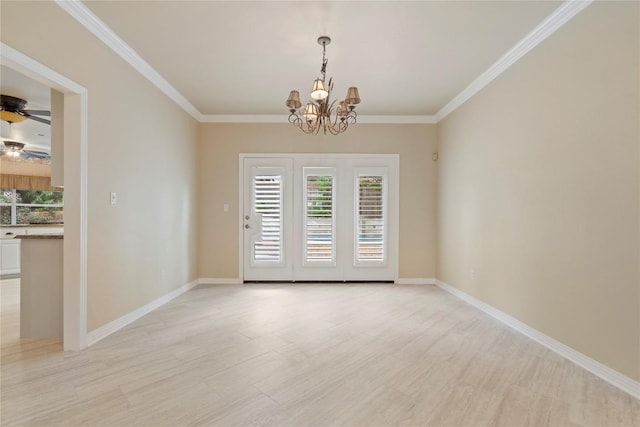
243,58
408,58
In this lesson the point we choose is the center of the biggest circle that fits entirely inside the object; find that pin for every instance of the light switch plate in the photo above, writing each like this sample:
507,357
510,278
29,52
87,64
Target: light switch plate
112,197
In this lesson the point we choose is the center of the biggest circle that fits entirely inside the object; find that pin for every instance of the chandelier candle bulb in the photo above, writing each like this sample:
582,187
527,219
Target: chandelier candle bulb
320,111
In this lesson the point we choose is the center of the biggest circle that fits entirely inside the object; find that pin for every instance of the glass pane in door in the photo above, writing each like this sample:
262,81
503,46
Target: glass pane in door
319,244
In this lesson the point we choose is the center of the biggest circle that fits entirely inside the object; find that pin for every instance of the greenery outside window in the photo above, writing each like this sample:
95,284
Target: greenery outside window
24,207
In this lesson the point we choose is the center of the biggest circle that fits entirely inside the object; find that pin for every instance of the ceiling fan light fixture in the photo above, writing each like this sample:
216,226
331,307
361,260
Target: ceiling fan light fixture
11,117
320,111
12,110
13,148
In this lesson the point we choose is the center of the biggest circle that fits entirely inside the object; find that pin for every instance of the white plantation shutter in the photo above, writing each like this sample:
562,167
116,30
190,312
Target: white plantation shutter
267,196
319,225
370,248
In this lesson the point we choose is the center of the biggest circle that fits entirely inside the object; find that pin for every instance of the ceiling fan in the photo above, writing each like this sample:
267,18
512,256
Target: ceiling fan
16,149
12,110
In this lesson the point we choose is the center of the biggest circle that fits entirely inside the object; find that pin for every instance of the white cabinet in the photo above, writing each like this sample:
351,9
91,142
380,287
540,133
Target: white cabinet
9,256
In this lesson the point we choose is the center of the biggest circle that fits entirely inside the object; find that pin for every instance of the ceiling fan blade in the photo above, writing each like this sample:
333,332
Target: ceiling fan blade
38,112
38,119
40,154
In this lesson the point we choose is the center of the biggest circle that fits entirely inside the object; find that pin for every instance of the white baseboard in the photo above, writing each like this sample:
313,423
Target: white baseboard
611,376
415,281
216,281
111,327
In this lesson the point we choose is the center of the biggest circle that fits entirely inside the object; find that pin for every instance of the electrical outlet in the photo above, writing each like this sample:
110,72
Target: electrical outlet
225,207
472,273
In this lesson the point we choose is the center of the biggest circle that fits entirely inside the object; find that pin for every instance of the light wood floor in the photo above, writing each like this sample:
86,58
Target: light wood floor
297,355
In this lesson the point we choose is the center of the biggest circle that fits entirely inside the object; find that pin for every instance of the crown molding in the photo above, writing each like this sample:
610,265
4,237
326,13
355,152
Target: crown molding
243,118
282,118
91,22
400,120
548,26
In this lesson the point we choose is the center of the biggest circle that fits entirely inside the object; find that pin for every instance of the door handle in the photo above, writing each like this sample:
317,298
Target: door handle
246,226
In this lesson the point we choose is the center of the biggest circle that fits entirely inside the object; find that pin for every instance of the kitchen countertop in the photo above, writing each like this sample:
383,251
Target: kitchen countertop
40,236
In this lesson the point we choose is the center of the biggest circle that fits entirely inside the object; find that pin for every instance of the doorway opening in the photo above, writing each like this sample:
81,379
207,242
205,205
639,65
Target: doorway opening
75,189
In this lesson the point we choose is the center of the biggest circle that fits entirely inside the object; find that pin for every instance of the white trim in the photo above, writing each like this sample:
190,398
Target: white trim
91,22
400,120
244,118
240,217
219,281
611,376
119,323
282,118
75,295
548,26
84,186
319,155
415,281
37,71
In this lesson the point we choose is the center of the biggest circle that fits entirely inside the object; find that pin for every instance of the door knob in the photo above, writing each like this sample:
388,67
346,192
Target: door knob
246,217
246,226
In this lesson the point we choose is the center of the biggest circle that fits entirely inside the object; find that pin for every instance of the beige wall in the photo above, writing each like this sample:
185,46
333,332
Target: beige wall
218,158
141,145
539,186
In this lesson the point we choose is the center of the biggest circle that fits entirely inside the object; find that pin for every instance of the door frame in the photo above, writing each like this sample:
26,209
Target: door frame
394,198
75,198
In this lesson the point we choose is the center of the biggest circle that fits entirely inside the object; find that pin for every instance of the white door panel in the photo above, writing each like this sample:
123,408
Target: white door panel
267,219
316,228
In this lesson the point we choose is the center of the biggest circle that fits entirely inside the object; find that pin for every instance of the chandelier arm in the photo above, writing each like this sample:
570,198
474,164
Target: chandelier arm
334,131
306,128
294,118
336,126
297,121
352,116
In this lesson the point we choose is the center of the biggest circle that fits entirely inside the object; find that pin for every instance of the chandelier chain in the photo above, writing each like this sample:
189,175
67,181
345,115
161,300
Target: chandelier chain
324,60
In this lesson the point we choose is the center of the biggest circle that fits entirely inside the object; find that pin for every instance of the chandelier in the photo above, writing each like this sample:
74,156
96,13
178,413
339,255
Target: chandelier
321,112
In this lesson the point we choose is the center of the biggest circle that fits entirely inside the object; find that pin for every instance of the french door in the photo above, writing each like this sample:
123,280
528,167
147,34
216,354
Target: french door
319,218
